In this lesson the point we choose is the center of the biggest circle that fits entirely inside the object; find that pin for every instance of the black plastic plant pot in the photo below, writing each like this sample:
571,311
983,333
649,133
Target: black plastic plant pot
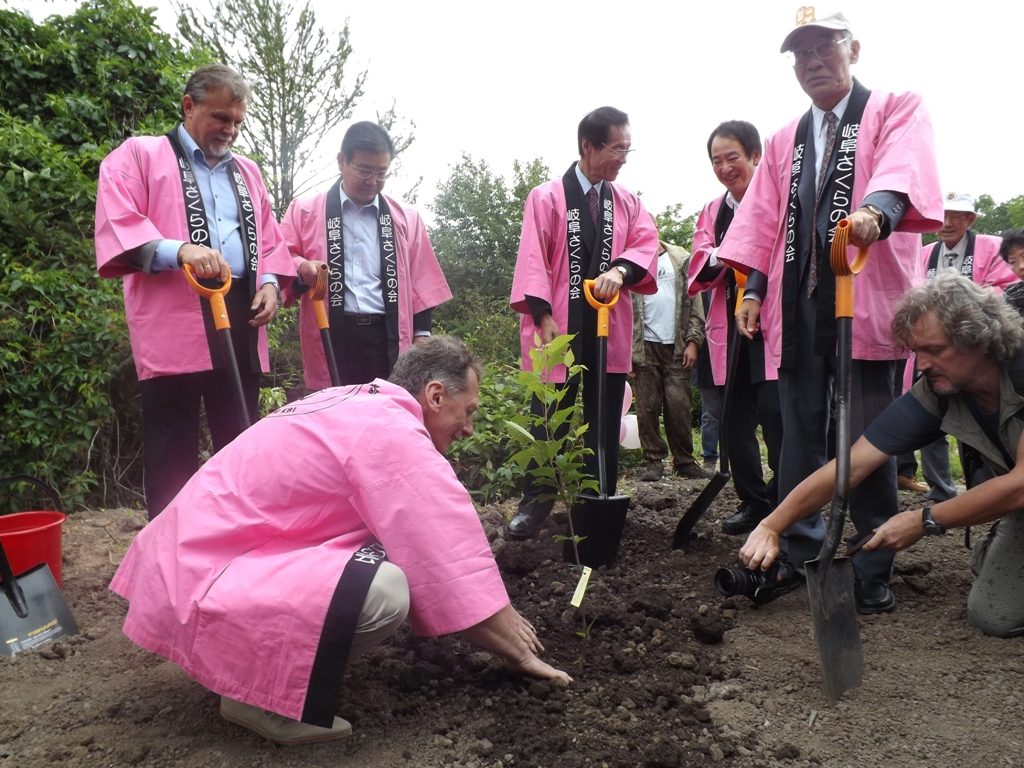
599,521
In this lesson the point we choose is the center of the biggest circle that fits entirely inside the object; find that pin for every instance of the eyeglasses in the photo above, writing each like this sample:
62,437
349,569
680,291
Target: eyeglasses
364,173
824,50
618,152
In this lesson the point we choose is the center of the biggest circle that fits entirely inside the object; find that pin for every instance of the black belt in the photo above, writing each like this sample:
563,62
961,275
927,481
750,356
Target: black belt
364,319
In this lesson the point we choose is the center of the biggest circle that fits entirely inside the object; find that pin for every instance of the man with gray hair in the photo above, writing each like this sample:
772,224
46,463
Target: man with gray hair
311,537
968,346
164,202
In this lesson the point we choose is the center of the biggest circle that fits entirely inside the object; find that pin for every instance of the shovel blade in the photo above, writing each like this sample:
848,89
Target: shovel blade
696,511
600,521
836,632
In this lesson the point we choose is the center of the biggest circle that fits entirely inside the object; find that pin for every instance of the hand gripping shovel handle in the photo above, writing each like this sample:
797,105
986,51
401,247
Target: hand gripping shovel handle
223,326
602,370
845,272
317,294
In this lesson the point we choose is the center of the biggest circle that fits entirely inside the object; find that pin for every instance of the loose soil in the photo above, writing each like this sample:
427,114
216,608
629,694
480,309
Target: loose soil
671,675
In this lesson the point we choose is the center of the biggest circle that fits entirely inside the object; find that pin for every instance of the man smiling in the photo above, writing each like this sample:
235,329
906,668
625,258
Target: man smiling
863,155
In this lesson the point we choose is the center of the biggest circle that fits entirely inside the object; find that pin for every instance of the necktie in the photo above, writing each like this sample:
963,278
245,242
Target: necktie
592,202
830,143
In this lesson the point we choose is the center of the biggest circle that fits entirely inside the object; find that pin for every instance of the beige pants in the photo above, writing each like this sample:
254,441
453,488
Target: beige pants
384,610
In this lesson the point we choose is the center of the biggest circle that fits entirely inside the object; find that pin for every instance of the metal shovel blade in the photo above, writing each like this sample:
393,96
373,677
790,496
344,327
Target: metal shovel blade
836,632
698,508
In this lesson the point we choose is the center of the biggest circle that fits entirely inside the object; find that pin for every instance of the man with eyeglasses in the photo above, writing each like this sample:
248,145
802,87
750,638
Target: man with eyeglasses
583,226
863,155
384,277
977,258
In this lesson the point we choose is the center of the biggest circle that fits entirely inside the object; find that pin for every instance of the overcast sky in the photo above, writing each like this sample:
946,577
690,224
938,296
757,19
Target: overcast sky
511,81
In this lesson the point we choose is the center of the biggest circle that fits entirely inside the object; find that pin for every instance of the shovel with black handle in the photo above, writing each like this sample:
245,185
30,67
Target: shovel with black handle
829,579
317,294
715,485
223,326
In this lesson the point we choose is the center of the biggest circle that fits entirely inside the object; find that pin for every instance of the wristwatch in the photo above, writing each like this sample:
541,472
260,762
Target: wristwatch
623,270
876,211
931,528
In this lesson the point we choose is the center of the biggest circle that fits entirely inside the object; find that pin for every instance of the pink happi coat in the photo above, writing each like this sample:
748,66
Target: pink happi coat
542,268
421,285
140,199
719,316
989,267
895,152
233,580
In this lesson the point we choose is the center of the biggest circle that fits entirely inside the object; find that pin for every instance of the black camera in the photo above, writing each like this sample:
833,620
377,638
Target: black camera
760,586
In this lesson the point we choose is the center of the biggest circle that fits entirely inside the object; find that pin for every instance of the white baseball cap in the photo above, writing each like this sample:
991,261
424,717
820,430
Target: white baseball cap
809,16
958,201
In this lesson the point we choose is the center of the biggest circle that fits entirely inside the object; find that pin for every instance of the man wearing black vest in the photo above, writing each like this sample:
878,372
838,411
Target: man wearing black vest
977,258
968,346
734,149
866,156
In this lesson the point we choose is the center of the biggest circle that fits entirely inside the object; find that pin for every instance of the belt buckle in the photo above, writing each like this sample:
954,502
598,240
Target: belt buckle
363,319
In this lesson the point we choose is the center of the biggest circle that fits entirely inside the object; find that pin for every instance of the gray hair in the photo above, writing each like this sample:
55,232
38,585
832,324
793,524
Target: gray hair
214,76
972,316
436,358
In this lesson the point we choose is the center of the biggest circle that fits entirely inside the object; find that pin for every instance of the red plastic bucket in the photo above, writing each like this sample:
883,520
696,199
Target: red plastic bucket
31,538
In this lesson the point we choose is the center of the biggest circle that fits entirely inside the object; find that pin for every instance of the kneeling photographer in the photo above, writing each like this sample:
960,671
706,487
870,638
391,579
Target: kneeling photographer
968,346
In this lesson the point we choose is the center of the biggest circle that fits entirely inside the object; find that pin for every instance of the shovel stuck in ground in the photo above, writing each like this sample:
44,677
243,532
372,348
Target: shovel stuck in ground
829,579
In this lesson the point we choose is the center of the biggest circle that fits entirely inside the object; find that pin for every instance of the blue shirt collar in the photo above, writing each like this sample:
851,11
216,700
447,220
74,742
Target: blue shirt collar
193,149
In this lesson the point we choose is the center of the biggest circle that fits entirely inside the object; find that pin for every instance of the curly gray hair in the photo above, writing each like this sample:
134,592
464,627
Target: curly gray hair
436,358
973,316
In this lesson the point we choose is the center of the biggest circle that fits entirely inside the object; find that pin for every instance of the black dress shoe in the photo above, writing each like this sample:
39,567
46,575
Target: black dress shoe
526,524
746,518
873,597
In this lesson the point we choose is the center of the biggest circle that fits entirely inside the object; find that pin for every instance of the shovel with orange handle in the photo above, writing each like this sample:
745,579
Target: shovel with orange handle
317,294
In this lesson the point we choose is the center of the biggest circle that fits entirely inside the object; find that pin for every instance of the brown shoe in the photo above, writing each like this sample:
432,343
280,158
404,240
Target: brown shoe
278,728
655,471
692,472
910,484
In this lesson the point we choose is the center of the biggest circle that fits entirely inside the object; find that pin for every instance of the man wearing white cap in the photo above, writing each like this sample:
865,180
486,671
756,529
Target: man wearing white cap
977,258
867,156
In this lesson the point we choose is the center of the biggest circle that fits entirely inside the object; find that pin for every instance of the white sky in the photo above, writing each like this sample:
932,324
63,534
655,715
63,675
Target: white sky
503,81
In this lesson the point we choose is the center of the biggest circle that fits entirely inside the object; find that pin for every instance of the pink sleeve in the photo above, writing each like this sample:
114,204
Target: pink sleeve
121,196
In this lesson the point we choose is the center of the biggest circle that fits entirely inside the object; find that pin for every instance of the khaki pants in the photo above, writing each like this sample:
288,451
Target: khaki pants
663,386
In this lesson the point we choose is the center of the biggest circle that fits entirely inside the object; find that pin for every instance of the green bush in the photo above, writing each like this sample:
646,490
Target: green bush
481,462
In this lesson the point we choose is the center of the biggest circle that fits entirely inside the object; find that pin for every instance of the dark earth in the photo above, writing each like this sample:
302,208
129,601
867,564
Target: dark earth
672,674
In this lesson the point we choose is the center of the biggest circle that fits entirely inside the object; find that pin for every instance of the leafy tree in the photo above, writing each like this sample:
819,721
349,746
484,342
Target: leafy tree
995,218
71,89
479,218
300,77
675,228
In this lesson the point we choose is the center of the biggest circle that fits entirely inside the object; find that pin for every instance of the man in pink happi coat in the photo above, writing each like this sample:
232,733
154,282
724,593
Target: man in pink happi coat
867,156
734,149
184,198
977,258
384,278
583,226
310,538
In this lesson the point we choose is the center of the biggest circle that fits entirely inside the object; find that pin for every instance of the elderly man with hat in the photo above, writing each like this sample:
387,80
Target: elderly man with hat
867,156
977,258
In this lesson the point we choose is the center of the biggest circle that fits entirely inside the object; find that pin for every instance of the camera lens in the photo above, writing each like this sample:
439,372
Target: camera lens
730,582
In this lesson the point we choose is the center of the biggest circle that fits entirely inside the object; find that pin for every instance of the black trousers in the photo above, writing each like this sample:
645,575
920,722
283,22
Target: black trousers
361,350
616,387
753,404
170,412
805,396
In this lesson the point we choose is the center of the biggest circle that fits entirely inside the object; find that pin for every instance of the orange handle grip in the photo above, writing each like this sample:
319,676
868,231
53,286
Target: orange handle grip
215,295
602,308
318,293
843,269
741,283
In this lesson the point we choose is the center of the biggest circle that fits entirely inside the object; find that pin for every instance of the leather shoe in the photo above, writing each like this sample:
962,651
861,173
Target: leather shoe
746,518
654,471
526,525
910,484
278,728
873,597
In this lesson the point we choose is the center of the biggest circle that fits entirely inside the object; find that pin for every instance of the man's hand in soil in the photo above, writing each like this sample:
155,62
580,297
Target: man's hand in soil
898,532
512,637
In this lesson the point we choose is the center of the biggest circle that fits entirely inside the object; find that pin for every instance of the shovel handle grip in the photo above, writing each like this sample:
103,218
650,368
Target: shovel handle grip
318,293
843,269
215,295
601,307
